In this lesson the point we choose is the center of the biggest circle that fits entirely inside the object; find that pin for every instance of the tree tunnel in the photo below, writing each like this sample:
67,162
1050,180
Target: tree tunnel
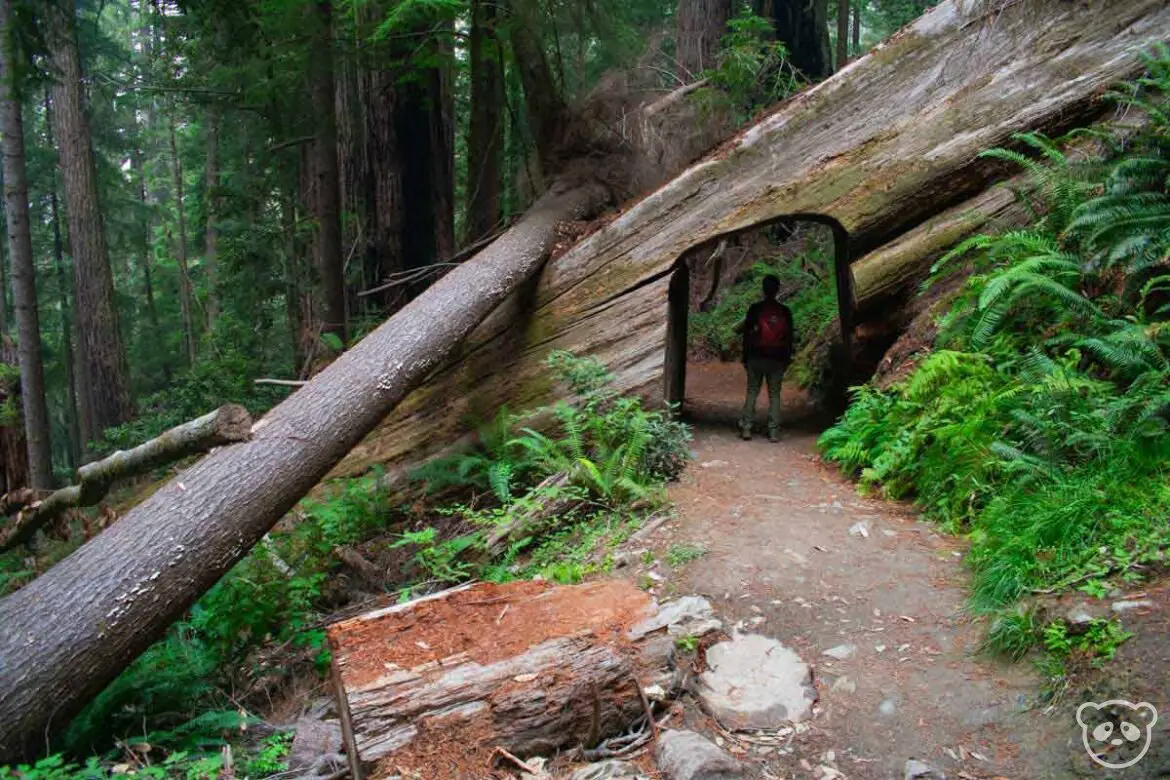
720,273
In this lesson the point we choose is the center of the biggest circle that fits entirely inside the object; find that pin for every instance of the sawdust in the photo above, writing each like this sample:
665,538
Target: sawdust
485,623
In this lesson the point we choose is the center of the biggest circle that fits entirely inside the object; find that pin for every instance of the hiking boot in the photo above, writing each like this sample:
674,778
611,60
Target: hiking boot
745,432
774,435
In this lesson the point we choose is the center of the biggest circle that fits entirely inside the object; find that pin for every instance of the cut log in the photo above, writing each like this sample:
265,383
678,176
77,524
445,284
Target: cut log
882,146
74,628
435,686
228,424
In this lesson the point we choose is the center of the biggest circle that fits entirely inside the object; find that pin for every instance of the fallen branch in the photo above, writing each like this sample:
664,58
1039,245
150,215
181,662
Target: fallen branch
230,423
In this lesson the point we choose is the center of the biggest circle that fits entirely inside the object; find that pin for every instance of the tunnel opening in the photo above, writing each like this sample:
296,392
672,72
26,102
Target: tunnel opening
711,287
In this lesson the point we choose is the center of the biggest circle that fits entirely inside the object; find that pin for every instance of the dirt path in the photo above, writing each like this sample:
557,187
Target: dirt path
795,554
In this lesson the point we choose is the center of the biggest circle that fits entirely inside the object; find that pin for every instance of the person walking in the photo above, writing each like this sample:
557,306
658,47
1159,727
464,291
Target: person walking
767,350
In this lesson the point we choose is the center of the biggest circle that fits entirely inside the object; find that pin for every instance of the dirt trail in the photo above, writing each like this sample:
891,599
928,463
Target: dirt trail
787,557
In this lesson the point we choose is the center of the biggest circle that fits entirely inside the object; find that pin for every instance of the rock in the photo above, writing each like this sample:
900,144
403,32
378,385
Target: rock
713,464
888,707
844,684
1125,606
608,770
1079,615
685,755
316,746
841,652
686,616
860,528
753,682
917,770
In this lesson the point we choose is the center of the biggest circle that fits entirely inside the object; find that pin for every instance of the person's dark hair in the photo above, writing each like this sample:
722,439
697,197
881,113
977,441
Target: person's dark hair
771,286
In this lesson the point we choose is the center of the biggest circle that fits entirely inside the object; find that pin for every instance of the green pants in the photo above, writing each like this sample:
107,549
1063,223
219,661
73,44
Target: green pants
760,370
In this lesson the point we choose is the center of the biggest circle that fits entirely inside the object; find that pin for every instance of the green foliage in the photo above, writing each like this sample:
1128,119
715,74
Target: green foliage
687,643
806,287
753,68
681,554
1040,429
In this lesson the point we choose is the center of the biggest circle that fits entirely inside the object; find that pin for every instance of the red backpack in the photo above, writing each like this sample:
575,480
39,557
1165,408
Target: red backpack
773,329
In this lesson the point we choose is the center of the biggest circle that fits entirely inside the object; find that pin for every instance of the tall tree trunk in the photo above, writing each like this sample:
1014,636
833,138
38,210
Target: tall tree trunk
486,132
386,163
802,26
106,388
71,421
211,208
842,33
327,193
24,282
76,627
72,414
857,27
700,28
186,295
424,134
543,101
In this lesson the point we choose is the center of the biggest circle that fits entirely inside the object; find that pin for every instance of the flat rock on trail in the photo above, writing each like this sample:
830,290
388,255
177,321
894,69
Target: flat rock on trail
868,595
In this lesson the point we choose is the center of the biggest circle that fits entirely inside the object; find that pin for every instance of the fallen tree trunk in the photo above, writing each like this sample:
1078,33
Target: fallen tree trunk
436,685
884,145
226,425
74,628
899,265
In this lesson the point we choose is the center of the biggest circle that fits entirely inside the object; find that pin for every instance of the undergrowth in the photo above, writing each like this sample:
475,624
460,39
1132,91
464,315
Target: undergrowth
571,482
1038,427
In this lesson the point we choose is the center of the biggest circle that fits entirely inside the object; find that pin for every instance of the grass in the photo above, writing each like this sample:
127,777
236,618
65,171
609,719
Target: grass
682,554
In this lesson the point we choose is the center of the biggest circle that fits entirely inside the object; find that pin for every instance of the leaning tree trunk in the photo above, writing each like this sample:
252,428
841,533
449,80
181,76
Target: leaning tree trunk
72,630
880,148
24,282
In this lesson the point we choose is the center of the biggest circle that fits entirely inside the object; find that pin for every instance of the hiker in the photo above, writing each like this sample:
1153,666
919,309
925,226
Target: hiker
767,349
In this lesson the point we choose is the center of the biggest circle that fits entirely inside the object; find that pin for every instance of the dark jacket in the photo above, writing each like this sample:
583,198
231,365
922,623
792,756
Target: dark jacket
751,328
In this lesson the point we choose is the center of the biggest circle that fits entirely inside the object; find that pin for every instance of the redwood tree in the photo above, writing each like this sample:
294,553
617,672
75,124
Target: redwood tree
105,386
486,131
24,284
700,27
326,185
802,26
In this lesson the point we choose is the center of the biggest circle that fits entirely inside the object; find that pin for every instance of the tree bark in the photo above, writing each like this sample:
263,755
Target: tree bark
186,294
105,385
857,27
698,33
842,33
211,202
536,669
24,283
802,26
486,131
72,414
327,192
226,425
72,630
